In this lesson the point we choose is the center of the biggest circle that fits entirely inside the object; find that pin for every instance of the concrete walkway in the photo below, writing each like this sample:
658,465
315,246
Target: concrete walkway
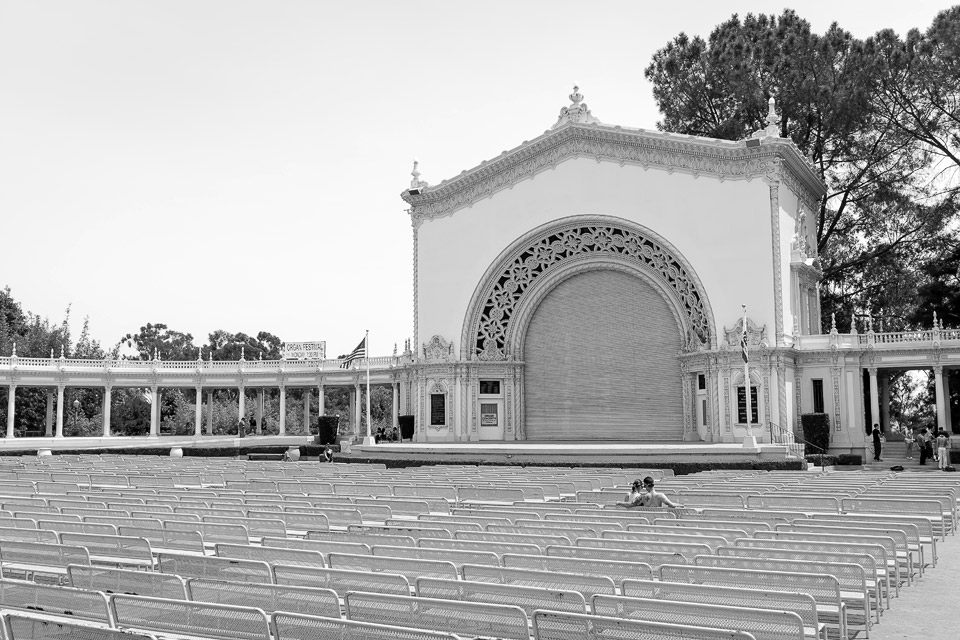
926,610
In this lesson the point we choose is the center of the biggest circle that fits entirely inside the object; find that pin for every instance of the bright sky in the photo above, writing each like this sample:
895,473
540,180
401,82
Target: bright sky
237,165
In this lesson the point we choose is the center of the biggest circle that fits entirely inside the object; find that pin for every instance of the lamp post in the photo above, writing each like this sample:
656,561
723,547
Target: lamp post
76,414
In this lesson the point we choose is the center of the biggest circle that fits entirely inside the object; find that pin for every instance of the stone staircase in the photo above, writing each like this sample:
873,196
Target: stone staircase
894,453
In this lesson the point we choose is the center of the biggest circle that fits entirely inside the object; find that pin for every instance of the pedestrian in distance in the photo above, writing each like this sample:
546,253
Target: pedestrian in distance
909,439
327,455
923,443
943,450
877,443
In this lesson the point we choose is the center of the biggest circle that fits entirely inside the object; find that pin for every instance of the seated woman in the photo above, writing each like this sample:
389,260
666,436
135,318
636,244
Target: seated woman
636,496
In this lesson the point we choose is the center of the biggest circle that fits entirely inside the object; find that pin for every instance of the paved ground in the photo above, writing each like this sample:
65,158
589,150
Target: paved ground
927,610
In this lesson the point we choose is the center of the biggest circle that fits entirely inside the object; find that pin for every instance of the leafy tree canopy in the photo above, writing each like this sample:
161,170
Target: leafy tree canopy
886,213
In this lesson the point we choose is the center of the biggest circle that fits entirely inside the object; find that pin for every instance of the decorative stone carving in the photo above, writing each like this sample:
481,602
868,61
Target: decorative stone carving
416,182
576,112
558,245
756,335
771,130
431,387
438,350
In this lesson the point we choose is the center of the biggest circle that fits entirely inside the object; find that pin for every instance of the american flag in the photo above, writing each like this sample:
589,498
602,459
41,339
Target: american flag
359,352
743,344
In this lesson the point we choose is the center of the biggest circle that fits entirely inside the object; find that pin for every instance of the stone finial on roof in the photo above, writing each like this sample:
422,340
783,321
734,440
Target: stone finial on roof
577,111
772,130
416,182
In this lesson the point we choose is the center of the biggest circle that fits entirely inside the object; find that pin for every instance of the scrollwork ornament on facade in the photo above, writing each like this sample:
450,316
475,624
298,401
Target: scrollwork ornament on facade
727,390
438,350
835,377
559,245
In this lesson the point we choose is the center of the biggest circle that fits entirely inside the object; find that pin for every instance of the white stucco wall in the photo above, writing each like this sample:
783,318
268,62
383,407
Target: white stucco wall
723,229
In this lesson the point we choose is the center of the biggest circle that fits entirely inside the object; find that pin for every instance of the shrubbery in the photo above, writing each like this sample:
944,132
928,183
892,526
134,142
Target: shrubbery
824,460
815,430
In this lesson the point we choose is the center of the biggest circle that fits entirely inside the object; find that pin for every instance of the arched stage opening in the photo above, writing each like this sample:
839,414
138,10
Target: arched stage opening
600,362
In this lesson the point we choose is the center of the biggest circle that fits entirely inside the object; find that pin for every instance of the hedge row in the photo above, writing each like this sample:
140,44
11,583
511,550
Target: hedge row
679,468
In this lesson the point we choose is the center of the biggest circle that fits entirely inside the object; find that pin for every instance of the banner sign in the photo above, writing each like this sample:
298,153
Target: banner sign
304,350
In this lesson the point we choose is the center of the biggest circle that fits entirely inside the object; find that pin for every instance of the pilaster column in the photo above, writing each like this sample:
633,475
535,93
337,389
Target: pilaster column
198,414
282,427
942,399
260,401
356,409
48,424
241,410
885,403
804,315
321,400
306,411
11,406
155,411
209,412
874,397
396,406
107,405
59,411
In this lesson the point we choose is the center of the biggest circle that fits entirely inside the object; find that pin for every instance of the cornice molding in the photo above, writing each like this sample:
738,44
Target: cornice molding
773,160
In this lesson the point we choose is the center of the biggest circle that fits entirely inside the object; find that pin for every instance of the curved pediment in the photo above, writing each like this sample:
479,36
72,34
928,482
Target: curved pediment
772,159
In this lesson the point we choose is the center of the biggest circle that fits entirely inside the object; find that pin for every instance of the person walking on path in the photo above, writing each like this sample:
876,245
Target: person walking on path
877,443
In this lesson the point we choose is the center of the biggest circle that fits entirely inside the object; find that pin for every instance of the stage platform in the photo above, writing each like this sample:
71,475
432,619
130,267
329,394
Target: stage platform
551,453
618,454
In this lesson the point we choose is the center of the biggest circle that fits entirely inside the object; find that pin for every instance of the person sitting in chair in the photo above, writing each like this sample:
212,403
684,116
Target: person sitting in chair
650,497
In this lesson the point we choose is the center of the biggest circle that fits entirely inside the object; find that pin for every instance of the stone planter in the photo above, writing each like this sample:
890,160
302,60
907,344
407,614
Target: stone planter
176,452
293,454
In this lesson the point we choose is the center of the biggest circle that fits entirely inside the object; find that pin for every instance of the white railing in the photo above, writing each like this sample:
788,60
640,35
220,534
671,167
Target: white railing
918,338
898,337
779,435
193,366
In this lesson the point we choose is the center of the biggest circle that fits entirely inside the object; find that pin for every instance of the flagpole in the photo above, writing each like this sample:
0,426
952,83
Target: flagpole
366,340
750,440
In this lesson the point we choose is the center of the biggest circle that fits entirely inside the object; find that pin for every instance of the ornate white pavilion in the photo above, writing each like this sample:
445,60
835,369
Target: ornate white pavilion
588,285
